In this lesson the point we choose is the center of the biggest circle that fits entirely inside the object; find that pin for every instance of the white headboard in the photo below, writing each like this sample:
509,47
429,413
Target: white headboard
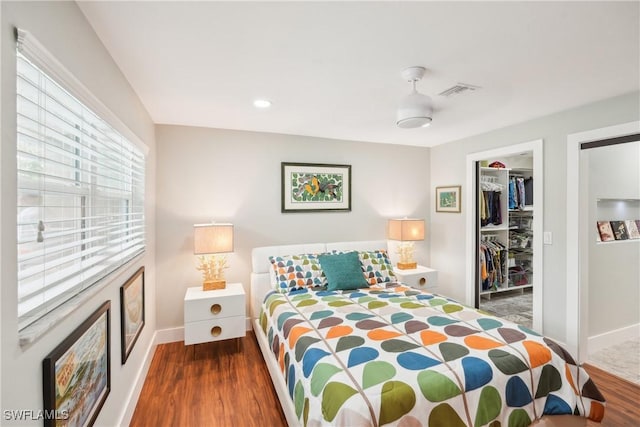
260,264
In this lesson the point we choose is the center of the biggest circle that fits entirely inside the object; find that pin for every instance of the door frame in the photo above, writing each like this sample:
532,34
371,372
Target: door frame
577,275
536,148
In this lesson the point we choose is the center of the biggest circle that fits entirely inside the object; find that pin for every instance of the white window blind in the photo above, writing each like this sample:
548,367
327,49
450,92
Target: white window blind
80,195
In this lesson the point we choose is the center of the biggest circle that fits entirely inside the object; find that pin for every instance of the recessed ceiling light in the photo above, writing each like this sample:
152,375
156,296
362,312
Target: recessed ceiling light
261,103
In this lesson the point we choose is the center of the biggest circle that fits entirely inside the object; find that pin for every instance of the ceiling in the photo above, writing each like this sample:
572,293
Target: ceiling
333,69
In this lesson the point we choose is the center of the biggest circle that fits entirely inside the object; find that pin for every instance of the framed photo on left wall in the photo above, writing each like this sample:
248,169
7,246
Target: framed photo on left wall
131,312
76,375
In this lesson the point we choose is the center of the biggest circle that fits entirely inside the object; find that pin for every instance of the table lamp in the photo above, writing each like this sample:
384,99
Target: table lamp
406,231
209,241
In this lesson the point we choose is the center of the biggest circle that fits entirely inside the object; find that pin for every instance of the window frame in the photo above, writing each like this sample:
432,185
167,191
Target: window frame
35,53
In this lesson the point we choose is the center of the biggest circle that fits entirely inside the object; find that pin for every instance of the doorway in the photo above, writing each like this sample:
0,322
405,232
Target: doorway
579,231
511,237
609,244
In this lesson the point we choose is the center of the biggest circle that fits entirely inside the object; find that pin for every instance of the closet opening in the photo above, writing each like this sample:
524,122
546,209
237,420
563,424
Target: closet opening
505,237
504,243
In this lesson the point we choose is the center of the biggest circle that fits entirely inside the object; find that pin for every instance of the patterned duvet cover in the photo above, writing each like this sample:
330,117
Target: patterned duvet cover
398,356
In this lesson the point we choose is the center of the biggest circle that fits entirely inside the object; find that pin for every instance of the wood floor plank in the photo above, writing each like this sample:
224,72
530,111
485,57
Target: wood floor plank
622,396
210,384
214,385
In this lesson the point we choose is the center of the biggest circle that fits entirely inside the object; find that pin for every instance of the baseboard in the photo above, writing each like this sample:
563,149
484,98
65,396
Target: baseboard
127,414
165,336
608,339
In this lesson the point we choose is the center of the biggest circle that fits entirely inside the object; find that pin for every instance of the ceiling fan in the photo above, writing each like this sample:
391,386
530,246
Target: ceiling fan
415,110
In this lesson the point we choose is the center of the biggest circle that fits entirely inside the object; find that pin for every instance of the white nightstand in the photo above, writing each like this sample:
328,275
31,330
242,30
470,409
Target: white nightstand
214,315
419,278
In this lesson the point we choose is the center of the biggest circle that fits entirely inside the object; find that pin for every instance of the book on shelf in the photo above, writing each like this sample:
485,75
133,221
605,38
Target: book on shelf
619,230
632,228
606,233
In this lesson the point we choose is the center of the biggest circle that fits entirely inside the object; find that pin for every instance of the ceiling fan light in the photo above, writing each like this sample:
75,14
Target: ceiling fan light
414,111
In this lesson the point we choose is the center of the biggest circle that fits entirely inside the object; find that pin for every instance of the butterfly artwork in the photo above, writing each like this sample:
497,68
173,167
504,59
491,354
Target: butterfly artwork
315,187
320,187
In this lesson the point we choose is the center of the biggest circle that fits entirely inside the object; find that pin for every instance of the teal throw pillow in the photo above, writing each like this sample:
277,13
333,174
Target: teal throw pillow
343,271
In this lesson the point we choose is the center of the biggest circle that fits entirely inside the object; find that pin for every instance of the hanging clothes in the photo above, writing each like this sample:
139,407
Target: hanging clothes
490,211
513,203
520,192
493,257
484,213
496,211
528,191
521,197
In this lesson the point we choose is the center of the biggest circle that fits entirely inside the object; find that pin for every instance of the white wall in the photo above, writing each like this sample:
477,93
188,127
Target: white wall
448,167
234,176
614,267
63,30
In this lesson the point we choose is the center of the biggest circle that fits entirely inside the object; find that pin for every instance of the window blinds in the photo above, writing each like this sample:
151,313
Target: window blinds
80,188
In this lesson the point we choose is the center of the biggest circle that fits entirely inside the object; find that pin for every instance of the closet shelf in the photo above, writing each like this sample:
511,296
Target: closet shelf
488,228
506,288
613,242
488,169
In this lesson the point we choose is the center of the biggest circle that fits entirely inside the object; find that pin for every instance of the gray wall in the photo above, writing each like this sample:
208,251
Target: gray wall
62,28
614,267
448,167
234,176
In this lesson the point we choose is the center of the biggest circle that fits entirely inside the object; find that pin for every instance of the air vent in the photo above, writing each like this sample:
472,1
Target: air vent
457,89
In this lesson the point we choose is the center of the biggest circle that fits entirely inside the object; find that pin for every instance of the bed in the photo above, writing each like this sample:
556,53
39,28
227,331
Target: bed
388,354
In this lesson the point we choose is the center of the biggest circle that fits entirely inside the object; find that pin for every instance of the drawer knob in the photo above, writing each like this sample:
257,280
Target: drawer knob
422,281
216,308
215,331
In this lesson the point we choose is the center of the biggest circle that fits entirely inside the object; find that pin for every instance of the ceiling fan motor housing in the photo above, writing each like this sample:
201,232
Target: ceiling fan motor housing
414,111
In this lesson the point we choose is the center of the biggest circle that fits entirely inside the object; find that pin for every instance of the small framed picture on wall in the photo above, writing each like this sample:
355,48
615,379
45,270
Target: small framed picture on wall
131,312
448,199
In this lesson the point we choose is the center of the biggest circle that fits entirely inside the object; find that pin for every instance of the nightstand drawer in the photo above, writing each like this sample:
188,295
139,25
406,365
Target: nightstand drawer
214,330
204,305
214,308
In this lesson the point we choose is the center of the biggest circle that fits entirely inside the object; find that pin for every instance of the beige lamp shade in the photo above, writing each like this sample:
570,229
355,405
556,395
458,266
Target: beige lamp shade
406,230
212,238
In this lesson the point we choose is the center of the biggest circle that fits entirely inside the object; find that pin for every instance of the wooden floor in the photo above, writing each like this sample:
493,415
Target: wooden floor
623,399
217,385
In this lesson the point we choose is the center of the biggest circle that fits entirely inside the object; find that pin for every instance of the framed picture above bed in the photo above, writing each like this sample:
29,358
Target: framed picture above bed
448,199
315,187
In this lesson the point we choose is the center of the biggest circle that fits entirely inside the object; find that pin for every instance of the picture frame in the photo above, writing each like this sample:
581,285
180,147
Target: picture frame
315,187
448,199
132,312
77,373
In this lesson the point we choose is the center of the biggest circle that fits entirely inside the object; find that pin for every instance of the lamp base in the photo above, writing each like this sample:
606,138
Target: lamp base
407,265
210,285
